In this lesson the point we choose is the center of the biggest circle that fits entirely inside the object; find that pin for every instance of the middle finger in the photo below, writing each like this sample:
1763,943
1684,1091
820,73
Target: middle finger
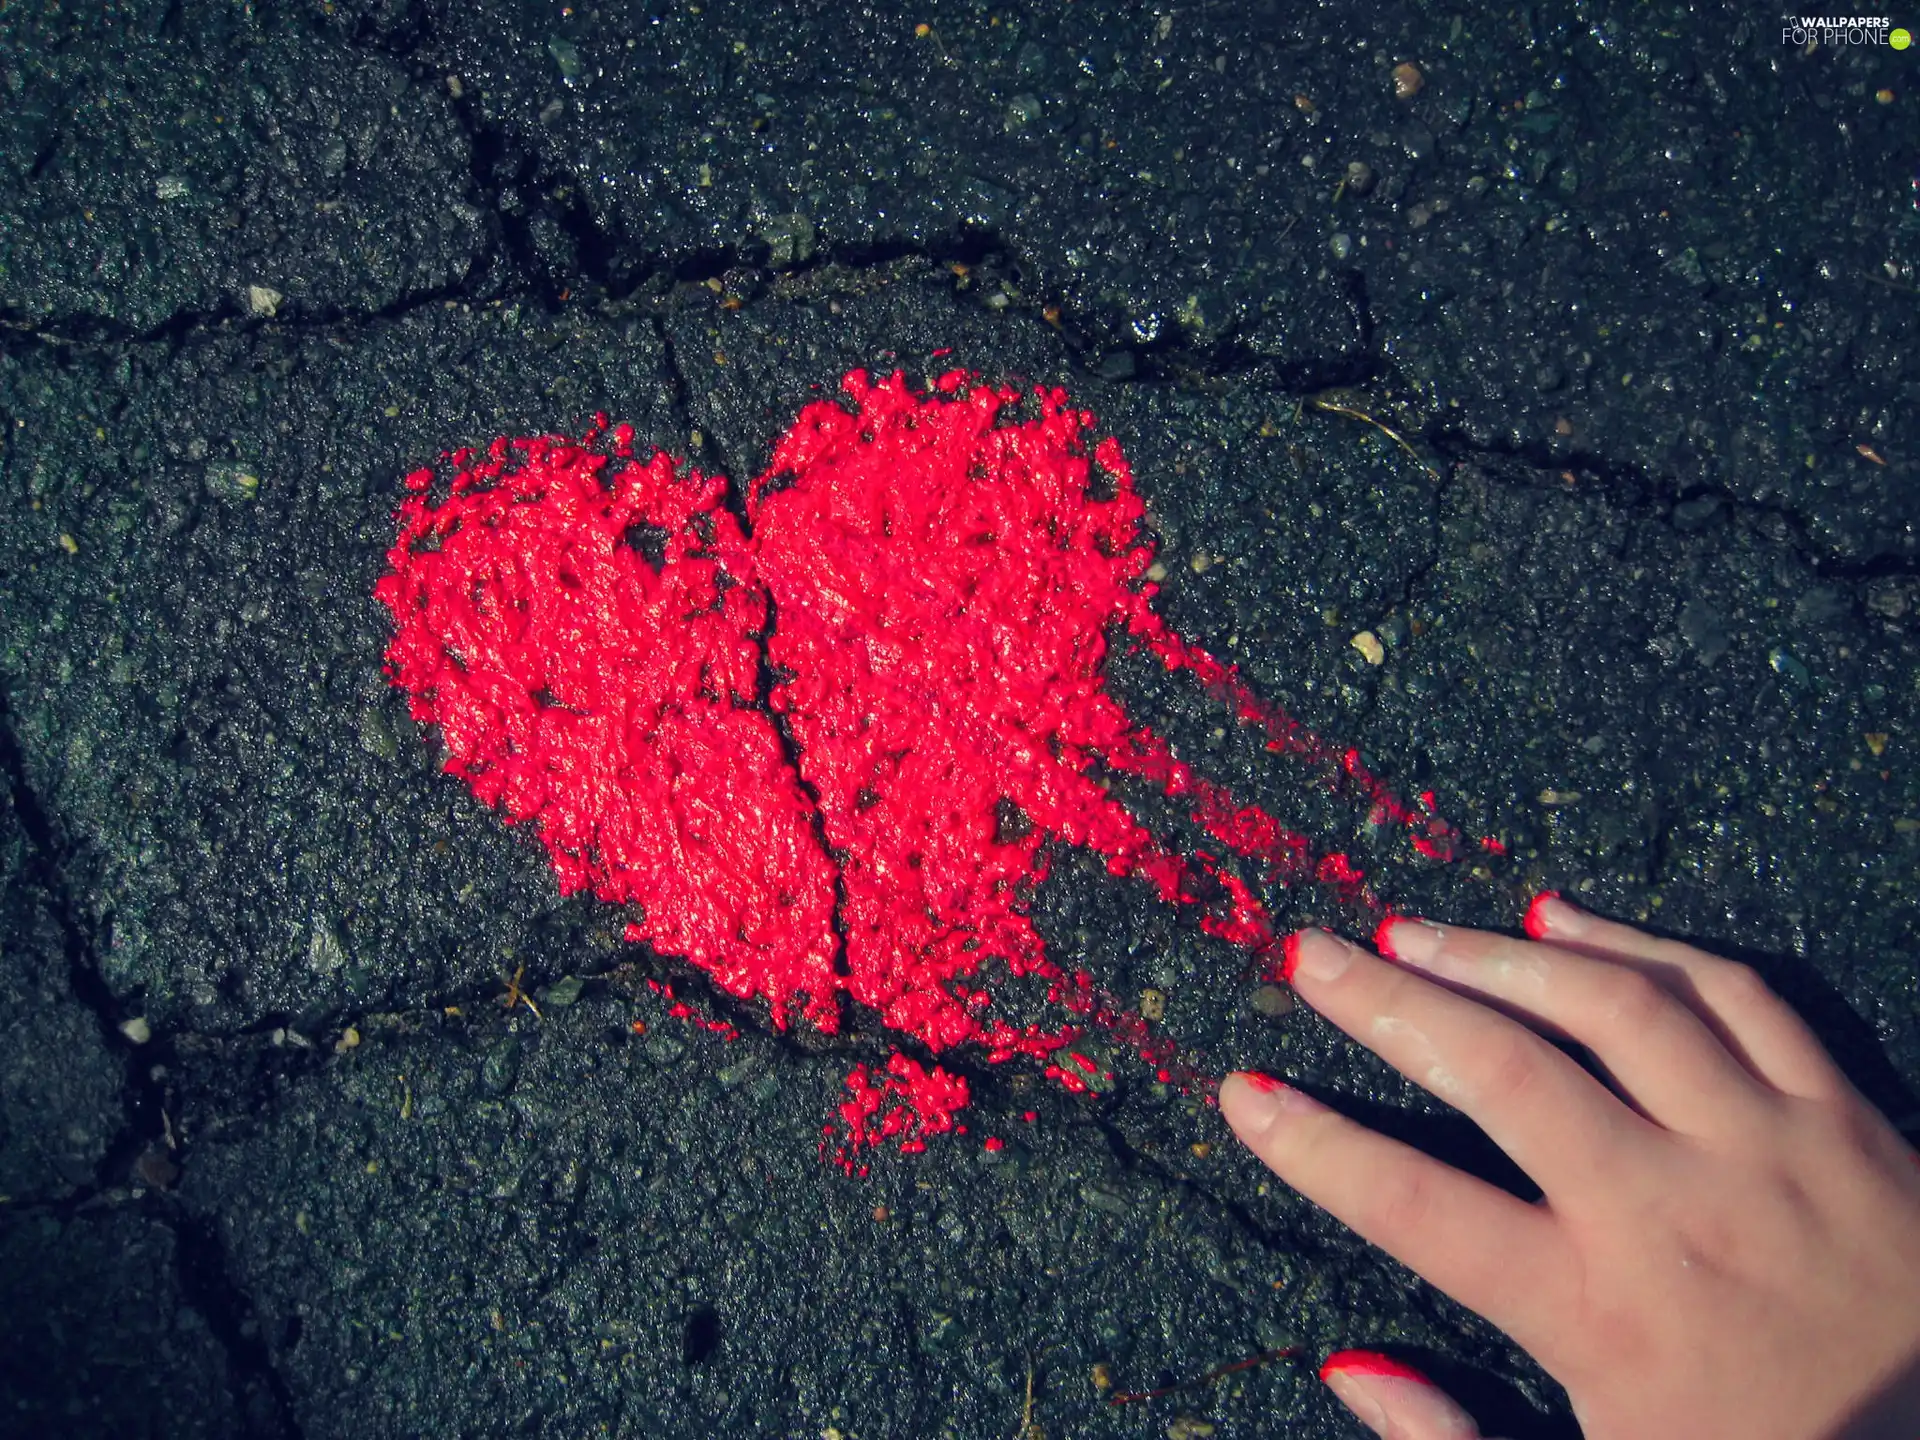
1554,1120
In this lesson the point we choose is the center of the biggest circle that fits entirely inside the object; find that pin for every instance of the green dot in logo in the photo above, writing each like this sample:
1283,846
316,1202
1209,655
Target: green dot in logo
1900,39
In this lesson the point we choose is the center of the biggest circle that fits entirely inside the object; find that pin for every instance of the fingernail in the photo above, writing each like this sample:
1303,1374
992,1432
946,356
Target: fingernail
1402,937
1355,1377
1253,1102
1391,1398
1317,956
1549,914
1357,1396
1350,1363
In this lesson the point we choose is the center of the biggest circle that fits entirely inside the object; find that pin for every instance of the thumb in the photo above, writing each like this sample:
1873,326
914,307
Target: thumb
1394,1400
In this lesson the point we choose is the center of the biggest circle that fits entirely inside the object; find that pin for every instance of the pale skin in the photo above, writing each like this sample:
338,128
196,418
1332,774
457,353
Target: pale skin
1728,1239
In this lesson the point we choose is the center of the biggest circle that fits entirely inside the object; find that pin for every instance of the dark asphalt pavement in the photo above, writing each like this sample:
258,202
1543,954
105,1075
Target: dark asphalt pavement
1570,354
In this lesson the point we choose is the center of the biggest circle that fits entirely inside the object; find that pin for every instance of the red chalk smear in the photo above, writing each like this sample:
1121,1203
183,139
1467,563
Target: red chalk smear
944,584
680,1010
1066,1079
907,1101
609,701
934,580
1370,1362
1266,1084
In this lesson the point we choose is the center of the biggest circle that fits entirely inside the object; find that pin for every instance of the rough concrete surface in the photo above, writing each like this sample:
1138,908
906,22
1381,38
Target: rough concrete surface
1580,376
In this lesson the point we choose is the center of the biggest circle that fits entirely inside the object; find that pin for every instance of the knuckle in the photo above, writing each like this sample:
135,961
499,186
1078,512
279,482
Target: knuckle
1522,967
1845,1129
1401,992
1740,984
1401,1204
1634,1002
1513,1068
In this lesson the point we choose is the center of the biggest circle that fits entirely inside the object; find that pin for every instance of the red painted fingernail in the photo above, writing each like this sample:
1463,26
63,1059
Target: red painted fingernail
1291,961
1257,1112
1536,922
1369,1362
1383,937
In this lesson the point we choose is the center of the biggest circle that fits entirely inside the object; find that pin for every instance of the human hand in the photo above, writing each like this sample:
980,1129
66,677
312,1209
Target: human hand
1728,1241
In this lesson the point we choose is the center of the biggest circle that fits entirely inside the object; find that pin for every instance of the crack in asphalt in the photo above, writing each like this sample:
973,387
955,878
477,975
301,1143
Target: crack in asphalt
199,1263
84,979
764,677
1630,488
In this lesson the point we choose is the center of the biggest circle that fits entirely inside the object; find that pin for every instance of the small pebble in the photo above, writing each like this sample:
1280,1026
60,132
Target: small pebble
1153,1003
1100,1198
1369,646
1022,111
1407,80
1272,1001
1417,140
1888,598
137,1031
1784,663
231,482
156,1167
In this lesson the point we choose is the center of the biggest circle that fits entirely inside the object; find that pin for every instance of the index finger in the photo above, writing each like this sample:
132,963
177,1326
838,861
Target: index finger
1557,1122
1476,1242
